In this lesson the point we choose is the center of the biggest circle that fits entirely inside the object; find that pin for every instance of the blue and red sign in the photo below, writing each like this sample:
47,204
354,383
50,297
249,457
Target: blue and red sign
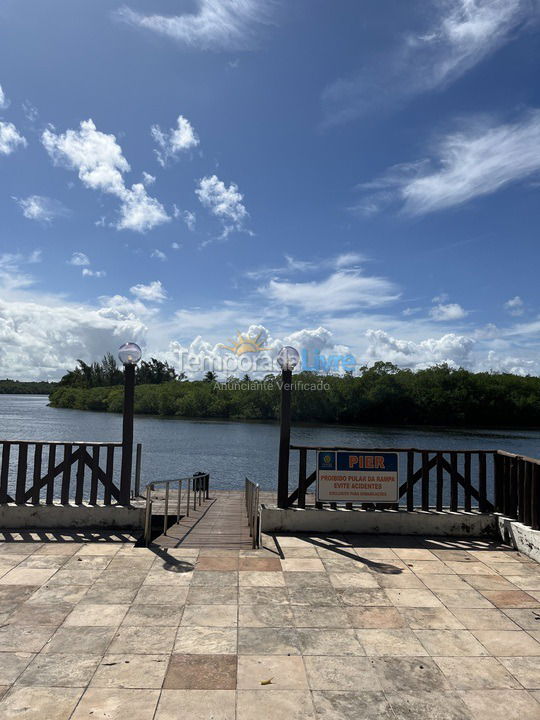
357,477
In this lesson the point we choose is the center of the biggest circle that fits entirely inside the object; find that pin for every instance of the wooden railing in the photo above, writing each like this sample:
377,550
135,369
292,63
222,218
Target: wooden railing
33,472
517,488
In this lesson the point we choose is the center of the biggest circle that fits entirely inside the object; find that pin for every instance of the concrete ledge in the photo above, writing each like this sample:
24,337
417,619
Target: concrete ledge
395,522
523,538
14,516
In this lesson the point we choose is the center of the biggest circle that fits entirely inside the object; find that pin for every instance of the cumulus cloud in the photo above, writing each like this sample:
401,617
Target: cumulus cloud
455,350
40,208
174,141
4,102
226,203
101,165
450,311
158,254
341,291
153,292
478,160
514,306
88,272
79,259
463,33
10,138
189,218
216,25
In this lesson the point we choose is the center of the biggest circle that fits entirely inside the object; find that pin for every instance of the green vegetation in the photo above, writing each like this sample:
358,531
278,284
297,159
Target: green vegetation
19,387
382,394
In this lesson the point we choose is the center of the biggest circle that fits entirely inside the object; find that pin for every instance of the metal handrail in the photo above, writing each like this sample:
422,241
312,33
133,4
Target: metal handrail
251,492
201,485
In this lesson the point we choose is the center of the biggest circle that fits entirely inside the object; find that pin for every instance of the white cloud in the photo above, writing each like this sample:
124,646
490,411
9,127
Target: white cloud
224,202
341,291
158,254
148,179
175,141
87,272
31,112
153,292
217,24
10,138
79,259
190,219
462,35
4,102
42,209
100,164
455,350
478,160
514,306
444,313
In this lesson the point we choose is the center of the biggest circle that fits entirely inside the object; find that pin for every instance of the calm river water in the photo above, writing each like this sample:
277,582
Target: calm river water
230,450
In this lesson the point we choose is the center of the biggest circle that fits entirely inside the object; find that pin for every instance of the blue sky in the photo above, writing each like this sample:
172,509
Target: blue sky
345,175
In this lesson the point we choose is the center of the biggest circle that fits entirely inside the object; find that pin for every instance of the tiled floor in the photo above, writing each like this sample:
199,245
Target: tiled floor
311,628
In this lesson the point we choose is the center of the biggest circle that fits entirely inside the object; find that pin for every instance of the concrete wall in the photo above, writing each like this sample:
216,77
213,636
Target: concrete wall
523,538
71,516
399,522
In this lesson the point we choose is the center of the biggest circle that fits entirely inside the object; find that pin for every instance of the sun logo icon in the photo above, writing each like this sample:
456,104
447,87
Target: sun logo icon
245,344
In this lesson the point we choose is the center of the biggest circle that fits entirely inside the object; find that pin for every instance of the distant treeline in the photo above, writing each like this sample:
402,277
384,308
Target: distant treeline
382,394
19,387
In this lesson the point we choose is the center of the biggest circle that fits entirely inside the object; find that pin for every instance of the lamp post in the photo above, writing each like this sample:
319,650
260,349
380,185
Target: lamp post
129,355
288,358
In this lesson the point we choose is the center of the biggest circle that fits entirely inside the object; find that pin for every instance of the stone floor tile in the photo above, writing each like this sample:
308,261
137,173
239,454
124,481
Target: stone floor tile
463,598
60,670
403,597
206,641
438,618
103,593
414,554
390,642
525,669
305,579
314,641
164,577
116,704
122,561
97,615
39,703
341,673
55,594
278,705
42,562
77,563
265,616
268,641
488,582
443,582
98,548
365,598
471,568
31,613
345,565
313,596
508,642
375,618
523,569
142,640
131,671
341,580
58,548
409,674
454,555
165,615
12,664
287,541
201,672
528,583
302,565
18,548
16,593
256,564
250,578
197,705
450,642
475,673
321,617
429,567
27,576
24,638
210,616
298,552
168,594
89,641
526,618
284,672
263,595
433,705
208,562
495,556
218,578
126,578
484,619
216,552
331,705
74,577
403,580
511,598
500,704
